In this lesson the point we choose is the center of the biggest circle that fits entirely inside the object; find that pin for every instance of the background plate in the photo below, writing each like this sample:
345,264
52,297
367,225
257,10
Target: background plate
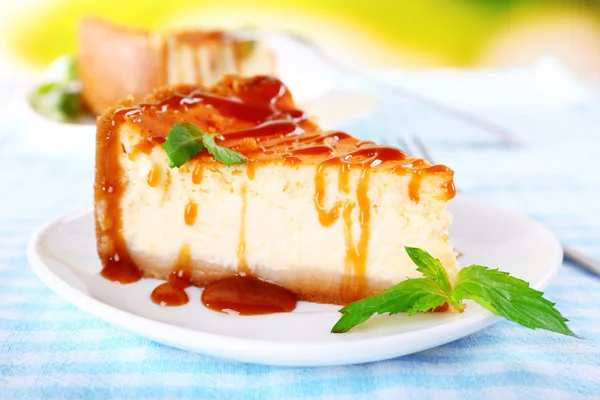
63,254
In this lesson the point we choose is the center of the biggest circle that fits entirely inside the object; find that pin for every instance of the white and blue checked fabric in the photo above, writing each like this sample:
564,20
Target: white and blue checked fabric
50,349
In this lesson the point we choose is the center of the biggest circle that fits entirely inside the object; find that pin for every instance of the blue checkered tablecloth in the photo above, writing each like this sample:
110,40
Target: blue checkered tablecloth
50,349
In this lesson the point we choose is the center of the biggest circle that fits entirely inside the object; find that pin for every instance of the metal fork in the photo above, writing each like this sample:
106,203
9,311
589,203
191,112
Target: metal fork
414,146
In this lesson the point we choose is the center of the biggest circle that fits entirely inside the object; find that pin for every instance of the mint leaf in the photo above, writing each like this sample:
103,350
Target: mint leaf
45,88
223,154
432,268
509,297
60,101
184,141
59,98
69,104
497,291
411,295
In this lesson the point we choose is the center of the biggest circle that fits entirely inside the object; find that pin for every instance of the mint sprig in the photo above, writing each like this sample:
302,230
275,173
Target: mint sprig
185,140
59,97
497,291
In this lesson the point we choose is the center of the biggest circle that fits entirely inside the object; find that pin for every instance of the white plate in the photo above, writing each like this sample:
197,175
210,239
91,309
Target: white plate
48,136
63,255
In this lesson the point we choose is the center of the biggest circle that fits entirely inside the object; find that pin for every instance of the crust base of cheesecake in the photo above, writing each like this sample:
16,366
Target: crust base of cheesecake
312,286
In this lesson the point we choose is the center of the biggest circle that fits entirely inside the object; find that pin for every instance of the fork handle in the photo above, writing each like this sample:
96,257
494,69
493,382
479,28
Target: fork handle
587,262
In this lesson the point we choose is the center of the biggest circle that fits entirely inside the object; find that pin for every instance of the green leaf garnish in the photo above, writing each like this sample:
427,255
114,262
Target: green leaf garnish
185,140
411,295
59,98
509,297
69,104
45,88
432,268
223,154
497,291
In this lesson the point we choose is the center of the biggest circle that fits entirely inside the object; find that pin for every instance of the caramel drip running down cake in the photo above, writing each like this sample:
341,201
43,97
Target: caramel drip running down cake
321,214
115,61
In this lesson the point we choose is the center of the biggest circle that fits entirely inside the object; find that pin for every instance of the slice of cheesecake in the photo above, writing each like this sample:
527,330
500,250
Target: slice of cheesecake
115,61
320,213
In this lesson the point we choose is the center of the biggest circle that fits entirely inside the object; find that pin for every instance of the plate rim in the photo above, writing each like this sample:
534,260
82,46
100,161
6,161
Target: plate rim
293,352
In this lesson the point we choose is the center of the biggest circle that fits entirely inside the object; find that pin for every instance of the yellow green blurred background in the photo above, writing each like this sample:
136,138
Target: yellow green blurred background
371,33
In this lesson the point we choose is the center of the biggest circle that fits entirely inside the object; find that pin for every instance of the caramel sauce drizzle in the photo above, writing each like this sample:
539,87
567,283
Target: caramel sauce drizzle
172,292
153,177
201,37
326,217
354,281
344,177
144,146
190,213
257,117
250,169
198,173
364,219
116,261
450,189
414,186
247,295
